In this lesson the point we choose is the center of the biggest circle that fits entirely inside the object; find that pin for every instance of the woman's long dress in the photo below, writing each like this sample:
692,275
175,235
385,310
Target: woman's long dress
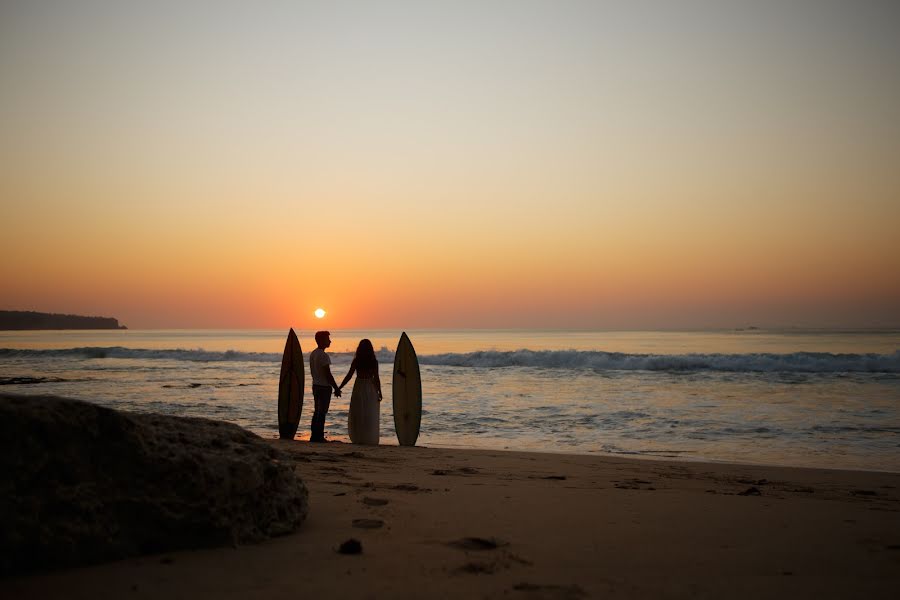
364,412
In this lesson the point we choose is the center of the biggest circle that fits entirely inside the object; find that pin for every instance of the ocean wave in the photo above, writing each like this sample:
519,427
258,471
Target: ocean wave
796,362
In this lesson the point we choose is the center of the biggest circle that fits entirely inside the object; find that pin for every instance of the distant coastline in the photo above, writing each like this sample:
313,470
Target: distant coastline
19,320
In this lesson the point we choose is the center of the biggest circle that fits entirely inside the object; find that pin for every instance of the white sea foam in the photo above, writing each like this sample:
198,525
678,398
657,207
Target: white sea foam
796,362
802,362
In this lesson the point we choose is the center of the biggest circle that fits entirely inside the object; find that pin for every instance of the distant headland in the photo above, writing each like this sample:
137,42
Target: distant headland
15,320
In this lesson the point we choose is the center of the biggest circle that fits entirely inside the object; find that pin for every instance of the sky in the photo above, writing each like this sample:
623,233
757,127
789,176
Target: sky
621,165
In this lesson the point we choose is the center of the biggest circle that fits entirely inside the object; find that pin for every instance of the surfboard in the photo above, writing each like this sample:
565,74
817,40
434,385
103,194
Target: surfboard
290,388
407,392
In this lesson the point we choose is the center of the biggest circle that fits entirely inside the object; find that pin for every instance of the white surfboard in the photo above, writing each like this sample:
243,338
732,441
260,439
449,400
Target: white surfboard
407,392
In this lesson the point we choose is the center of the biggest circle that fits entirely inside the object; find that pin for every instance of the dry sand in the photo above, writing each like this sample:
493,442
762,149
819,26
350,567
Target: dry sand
447,523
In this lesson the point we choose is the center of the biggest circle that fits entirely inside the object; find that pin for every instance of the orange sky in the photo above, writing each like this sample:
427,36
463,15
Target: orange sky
500,165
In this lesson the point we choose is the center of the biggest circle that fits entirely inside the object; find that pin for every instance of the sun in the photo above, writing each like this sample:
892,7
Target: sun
319,313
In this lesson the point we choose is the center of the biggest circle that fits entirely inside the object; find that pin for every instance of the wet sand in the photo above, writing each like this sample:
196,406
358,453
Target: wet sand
449,523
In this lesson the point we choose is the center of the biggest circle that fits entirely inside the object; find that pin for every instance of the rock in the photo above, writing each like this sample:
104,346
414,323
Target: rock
83,484
351,546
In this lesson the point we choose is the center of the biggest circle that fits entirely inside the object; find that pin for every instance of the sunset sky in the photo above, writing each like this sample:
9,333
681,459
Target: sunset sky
455,164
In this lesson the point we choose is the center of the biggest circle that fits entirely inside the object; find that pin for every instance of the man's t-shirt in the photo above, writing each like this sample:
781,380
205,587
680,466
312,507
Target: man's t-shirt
319,361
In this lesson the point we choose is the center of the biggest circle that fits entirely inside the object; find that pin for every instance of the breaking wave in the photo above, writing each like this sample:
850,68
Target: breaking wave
797,362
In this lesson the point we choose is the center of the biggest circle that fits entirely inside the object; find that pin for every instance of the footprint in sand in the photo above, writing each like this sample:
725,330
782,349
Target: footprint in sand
476,568
368,523
408,487
562,592
500,560
635,484
753,481
551,477
497,562
460,471
477,543
369,501
337,470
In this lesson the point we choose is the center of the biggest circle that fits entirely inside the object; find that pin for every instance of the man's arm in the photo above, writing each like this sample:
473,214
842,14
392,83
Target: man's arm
334,385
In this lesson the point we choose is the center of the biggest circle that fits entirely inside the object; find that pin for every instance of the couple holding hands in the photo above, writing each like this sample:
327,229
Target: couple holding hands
366,397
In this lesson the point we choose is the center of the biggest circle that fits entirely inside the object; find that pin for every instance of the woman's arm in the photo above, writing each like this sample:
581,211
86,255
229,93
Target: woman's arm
378,384
349,374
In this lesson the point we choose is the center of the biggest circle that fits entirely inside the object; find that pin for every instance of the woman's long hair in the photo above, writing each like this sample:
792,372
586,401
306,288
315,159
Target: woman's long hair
365,355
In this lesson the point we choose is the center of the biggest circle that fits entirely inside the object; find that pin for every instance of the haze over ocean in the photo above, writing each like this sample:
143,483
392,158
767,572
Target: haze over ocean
591,165
800,398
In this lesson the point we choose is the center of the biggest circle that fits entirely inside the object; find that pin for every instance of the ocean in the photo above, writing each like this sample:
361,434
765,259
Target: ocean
812,398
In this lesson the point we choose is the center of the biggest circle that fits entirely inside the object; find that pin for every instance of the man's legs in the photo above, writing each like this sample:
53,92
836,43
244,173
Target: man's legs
322,398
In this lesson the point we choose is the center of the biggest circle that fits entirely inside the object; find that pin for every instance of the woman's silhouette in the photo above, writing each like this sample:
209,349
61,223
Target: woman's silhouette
364,402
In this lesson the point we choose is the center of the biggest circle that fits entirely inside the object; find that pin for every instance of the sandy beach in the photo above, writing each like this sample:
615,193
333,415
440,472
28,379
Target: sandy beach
455,523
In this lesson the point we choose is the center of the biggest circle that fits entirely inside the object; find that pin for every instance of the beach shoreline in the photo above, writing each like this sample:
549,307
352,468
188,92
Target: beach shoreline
662,456
765,398
440,522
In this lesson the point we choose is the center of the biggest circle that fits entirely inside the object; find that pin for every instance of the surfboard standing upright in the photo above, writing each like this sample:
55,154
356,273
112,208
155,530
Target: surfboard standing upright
407,388
290,388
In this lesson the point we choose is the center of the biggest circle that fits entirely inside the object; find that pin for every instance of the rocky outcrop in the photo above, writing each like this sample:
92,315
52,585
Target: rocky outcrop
25,320
82,483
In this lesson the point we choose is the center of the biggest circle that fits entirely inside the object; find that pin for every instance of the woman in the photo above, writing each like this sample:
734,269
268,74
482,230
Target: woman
364,402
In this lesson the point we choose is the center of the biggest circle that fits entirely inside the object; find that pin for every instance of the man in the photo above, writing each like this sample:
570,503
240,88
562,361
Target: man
322,384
